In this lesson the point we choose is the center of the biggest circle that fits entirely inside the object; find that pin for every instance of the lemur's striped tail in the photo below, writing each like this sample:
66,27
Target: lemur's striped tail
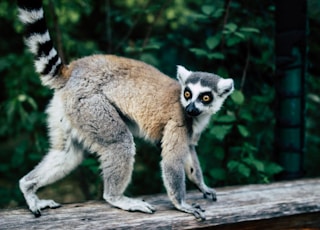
47,61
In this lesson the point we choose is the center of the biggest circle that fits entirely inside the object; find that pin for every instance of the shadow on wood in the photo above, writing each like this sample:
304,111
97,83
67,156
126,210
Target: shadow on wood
285,205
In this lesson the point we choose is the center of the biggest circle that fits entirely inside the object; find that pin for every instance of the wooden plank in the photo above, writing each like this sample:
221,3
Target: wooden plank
308,221
236,206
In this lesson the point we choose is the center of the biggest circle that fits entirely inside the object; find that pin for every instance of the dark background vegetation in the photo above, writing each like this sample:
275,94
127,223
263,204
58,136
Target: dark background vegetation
233,38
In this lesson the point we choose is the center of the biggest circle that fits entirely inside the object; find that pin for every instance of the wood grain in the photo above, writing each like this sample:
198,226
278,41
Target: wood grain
288,205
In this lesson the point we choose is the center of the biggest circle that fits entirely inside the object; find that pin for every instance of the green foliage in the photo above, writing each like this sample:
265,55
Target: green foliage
243,139
235,40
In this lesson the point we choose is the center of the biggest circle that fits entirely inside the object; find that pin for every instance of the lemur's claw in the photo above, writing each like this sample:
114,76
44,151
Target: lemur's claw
194,209
36,213
197,206
199,214
211,196
209,193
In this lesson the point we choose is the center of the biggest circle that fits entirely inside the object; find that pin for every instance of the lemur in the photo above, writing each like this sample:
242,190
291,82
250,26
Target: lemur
101,102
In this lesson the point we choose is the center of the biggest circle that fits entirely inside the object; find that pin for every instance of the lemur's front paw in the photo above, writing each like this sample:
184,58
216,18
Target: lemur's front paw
209,193
199,212
194,209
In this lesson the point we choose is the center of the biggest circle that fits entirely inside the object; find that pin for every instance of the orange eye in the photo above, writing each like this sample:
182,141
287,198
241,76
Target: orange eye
187,94
206,98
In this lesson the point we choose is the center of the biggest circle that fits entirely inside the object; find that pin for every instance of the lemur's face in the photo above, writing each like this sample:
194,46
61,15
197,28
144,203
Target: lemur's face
202,93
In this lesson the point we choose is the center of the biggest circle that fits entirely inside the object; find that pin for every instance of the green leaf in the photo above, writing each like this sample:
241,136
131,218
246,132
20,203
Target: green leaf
258,165
237,97
208,9
130,49
212,42
218,13
216,55
226,118
199,16
233,40
32,103
240,35
273,168
249,30
231,27
243,131
232,165
244,170
247,147
152,47
220,131
238,167
199,52
246,115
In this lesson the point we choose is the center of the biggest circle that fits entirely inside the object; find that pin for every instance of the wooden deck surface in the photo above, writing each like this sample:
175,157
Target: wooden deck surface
285,205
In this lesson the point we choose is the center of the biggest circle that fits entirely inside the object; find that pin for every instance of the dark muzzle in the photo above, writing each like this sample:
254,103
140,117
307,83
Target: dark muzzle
192,110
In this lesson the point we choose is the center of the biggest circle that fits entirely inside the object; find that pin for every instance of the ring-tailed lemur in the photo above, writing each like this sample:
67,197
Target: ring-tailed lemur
101,101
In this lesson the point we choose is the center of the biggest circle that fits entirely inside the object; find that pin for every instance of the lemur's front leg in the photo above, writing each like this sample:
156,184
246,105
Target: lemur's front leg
175,151
174,181
194,173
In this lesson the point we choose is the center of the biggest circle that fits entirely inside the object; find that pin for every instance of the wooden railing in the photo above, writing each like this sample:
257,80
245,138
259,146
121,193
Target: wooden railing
282,205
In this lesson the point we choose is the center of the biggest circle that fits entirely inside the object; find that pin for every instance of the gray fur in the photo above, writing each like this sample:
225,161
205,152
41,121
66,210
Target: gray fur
206,79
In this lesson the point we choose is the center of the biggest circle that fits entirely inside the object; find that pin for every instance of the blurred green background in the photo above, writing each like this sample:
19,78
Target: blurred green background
231,38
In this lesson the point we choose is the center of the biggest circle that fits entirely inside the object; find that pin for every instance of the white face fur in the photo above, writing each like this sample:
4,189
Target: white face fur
202,93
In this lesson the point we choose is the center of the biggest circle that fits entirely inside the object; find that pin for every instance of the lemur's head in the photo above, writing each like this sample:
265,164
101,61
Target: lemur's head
201,92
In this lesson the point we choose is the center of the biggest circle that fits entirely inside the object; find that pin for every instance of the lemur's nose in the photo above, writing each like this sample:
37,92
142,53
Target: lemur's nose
192,110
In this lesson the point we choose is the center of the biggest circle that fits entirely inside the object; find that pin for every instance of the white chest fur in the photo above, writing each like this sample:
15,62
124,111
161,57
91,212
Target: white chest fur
198,125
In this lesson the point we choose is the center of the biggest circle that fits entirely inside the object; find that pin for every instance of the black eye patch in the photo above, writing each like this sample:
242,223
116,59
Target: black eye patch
206,97
187,93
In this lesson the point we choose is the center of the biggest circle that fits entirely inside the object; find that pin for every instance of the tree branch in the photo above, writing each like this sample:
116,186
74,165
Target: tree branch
246,66
225,20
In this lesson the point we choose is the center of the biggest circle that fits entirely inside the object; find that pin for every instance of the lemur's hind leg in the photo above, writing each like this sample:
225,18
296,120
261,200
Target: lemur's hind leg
117,165
65,154
111,139
55,165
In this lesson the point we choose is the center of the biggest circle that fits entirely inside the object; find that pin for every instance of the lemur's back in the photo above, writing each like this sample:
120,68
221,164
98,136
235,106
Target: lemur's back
136,89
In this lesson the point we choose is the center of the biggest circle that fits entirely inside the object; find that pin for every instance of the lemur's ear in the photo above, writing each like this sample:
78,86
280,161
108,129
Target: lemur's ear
225,86
182,74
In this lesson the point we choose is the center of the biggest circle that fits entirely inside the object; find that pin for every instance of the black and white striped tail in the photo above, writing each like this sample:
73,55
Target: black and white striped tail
47,61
